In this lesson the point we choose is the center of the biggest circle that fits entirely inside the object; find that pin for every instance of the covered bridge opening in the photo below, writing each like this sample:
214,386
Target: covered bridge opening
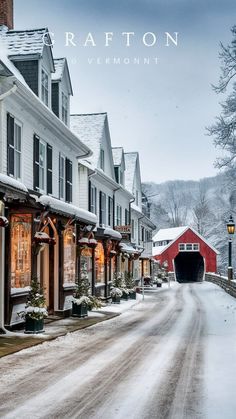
189,267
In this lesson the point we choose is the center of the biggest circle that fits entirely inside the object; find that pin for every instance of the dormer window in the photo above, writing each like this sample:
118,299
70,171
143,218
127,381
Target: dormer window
64,108
44,87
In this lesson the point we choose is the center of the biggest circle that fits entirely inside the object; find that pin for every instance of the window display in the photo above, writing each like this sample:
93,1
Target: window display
86,261
20,250
69,255
99,263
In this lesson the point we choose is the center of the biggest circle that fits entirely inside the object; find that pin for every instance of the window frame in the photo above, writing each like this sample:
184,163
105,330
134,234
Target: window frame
45,86
102,159
44,188
64,108
62,180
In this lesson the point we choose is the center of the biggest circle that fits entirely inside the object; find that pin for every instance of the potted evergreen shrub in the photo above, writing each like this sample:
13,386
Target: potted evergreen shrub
82,300
35,309
130,285
116,294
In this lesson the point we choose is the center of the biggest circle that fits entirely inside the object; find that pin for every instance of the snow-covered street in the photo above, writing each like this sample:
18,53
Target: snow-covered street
171,356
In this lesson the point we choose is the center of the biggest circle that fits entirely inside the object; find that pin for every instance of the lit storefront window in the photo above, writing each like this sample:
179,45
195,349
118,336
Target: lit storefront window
113,267
69,255
20,250
99,263
86,261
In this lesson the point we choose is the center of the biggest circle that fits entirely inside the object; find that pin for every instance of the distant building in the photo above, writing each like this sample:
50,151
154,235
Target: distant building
185,252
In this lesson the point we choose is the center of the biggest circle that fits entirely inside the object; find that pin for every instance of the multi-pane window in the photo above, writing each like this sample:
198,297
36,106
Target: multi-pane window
93,199
118,215
44,87
64,108
117,174
127,217
14,135
68,182
189,247
110,211
20,237
61,177
102,159
102,208
142,234
42,166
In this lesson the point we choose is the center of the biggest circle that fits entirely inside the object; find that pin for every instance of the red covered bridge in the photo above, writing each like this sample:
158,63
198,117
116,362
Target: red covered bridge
185,252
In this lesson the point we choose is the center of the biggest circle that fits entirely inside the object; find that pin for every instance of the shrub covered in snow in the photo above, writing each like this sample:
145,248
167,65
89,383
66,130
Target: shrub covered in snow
116,292
36,304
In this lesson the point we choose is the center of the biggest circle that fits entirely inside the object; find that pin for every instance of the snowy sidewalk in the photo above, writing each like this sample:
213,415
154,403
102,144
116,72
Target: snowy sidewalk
55,327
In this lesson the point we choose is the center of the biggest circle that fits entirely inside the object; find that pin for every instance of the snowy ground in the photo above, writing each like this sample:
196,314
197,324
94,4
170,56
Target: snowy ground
172,355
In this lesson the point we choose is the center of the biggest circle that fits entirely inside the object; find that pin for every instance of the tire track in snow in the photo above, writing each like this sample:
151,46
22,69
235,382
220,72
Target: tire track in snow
180,394
61,399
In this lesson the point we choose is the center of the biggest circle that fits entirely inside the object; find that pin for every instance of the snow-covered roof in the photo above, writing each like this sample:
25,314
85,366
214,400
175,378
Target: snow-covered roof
130,164
24,42
10,181
68,134
65,208
59,64
89,128
169,233
128,248
117,155
113,233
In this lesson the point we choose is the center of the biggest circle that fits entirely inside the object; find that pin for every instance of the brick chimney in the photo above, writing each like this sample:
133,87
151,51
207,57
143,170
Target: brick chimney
6,13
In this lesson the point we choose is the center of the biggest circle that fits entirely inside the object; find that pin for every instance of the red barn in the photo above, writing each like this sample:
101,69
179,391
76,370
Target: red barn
184,252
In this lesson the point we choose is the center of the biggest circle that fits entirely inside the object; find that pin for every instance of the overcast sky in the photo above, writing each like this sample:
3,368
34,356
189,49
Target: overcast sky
160,110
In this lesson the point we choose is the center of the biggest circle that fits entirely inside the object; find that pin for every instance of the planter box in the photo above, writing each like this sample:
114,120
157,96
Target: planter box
132,295
79,310
115,300
33,326
159,284
125,297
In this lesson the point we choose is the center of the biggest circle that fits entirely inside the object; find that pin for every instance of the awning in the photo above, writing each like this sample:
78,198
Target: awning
112,233
146,255
64,208
128,248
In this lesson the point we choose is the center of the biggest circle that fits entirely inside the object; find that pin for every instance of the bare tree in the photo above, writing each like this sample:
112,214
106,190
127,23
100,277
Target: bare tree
201,211
224,129
176,207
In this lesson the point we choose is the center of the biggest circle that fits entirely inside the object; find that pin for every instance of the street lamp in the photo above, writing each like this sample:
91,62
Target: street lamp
231,230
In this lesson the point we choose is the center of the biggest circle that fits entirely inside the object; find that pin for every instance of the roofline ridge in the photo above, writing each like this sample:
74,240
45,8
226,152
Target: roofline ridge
27,30
88,114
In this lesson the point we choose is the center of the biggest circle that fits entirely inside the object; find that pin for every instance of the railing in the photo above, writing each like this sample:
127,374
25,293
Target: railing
223,282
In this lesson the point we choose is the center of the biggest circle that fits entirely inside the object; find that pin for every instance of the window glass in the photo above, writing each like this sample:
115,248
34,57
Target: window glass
20,250
44,87
42,166
62,177
64,108
69,255
189,246
99,263
17,141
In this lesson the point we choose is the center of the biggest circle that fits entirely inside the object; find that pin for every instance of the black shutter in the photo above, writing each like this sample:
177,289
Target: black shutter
36,162
49,169
100,207
89,196
68,180
10,145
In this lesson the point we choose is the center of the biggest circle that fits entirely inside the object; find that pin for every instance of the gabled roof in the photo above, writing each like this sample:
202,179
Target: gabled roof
130,164
23,43
38,106
169,233
61,69
89,128
174,234
26,42
117,153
